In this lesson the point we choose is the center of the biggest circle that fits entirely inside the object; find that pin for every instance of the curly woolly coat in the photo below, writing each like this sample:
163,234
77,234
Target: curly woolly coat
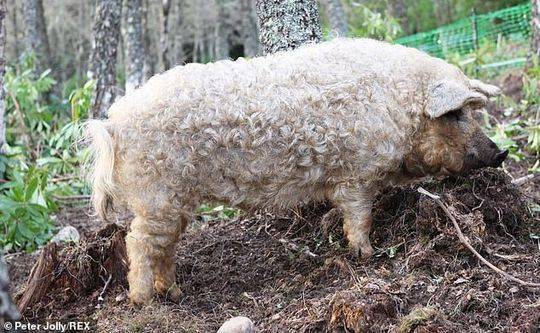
332,121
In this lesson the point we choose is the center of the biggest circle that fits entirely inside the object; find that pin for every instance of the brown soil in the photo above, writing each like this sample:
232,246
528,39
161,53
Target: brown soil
294,273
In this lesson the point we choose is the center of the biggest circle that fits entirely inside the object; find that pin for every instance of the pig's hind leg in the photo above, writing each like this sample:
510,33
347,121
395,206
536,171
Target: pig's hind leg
164,263
356,206
150,246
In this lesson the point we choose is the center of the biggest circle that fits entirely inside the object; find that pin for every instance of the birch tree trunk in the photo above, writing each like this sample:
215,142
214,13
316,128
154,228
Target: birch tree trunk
178,39
287,24
105,38
149,61
536,28
164,41
36,37
2,71
14,26
81,57
222,30
336,17
134,45
250,29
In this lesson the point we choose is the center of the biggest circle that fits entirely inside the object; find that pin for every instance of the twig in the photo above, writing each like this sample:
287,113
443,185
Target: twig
523,180
464,240
27,138
61,179
294,247
72,197
100,297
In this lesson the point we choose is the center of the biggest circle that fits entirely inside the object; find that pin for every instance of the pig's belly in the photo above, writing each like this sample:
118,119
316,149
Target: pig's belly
264,177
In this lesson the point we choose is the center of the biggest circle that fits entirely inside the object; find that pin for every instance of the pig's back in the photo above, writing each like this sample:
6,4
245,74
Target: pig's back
283,80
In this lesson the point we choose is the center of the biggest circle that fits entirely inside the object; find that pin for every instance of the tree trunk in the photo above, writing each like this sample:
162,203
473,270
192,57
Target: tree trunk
250,29
197,34
105,37
536,28
8,309
336,17
134,45
81,54
178,40
287,24
37,41
398,9
15,27
149,61
221,31
165,8
2,71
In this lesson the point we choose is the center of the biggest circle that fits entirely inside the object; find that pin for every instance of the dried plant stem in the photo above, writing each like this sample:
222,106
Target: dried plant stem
464,240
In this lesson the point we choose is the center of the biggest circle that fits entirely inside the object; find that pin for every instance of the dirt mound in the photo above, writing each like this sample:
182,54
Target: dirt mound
294,273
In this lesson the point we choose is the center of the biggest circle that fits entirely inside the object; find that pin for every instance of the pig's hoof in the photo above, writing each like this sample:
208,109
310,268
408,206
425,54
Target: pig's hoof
174,293
355,252
367,253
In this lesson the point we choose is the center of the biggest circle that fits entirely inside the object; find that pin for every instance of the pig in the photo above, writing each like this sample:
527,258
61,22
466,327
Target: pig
335,121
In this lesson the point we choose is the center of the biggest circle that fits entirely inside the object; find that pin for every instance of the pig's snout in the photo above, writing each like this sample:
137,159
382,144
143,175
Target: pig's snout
494,156
498,159
483,153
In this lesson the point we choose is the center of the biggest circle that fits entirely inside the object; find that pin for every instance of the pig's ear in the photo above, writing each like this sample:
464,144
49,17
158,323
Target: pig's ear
447,96
486,89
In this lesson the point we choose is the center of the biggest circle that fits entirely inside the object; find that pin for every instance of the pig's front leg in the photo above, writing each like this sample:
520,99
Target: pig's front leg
356,206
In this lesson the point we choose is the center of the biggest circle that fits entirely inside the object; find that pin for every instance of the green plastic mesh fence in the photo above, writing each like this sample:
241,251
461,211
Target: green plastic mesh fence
465,36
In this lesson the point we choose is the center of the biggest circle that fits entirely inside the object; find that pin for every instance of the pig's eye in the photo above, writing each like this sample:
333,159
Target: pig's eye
454,115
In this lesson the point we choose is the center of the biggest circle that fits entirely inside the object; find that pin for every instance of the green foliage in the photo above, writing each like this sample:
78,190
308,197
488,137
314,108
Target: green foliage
25,205
43,158
533,139
220,212
62,155
503,135
80,99
521,133
365,22
27,114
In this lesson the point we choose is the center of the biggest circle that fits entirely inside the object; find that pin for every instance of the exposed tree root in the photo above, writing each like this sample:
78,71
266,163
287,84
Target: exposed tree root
77,269
40,277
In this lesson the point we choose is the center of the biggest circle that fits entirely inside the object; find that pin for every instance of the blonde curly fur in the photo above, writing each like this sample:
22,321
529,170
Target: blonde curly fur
101,174
333,121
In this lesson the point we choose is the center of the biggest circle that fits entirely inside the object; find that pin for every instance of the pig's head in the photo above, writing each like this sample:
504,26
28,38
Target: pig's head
449,140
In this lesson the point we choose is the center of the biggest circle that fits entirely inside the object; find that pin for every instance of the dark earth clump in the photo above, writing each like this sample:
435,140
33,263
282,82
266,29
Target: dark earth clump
293,273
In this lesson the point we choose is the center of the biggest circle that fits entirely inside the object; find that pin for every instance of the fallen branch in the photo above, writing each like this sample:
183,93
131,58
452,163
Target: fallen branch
464,240
523,180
